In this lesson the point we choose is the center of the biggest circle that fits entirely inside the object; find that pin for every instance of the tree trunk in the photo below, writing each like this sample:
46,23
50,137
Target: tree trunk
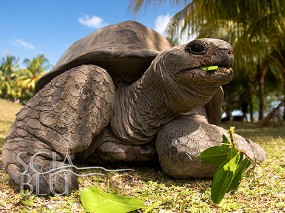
250,104
261,98
284,98
261,72
270,115
228,113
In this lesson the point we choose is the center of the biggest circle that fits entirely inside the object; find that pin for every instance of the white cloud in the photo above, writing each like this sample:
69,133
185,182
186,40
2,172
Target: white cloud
161,23
24,44
92,21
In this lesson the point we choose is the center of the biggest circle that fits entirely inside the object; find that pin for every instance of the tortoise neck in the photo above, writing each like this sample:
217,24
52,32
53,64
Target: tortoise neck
141,109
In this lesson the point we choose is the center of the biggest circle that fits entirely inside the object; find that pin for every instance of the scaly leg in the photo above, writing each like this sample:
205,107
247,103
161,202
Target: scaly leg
58,122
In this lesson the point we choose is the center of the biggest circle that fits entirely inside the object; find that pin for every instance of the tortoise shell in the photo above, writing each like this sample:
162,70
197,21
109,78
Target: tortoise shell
125,50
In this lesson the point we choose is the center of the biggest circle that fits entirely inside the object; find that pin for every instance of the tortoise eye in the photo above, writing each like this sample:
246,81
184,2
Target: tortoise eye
196,48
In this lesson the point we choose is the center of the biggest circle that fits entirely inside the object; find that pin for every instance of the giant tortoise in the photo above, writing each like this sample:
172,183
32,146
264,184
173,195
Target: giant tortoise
123,94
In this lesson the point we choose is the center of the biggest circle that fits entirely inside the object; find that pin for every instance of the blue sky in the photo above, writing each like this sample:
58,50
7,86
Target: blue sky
32,27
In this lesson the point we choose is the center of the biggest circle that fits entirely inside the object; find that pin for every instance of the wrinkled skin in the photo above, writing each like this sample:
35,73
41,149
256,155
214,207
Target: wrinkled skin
81,114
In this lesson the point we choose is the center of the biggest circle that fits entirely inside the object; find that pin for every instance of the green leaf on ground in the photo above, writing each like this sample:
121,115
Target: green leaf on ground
95,200
243,165
223,179
232,152
215,155
226,141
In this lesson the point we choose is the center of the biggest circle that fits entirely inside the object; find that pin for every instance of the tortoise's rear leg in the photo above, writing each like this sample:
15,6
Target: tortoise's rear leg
58,122
107,148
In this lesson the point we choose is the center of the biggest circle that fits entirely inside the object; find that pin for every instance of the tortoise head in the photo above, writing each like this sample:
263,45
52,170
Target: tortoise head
192,73
201,62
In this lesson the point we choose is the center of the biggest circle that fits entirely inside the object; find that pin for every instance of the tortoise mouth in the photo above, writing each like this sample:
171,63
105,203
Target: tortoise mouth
218,70
214,74
210,69
217,74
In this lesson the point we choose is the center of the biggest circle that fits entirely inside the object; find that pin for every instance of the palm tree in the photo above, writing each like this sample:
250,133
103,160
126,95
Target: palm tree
8,69
257,17
34,70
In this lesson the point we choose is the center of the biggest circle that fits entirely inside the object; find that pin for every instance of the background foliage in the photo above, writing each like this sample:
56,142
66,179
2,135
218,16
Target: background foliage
17,83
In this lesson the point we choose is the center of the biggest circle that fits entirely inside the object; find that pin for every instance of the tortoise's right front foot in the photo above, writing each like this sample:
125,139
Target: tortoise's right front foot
42,172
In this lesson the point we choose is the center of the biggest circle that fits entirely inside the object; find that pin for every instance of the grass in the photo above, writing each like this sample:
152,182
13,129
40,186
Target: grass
261,190
7,116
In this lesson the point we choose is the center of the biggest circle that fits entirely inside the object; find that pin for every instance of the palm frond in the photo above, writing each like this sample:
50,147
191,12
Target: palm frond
136,6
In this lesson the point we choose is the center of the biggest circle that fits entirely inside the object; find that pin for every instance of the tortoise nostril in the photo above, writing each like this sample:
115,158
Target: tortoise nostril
196,48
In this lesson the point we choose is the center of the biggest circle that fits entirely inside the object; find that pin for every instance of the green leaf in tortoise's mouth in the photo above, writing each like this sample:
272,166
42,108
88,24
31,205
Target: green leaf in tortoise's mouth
210,68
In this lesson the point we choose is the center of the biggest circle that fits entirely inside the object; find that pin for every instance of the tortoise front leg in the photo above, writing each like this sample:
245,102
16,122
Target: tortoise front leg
58,122
180,142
